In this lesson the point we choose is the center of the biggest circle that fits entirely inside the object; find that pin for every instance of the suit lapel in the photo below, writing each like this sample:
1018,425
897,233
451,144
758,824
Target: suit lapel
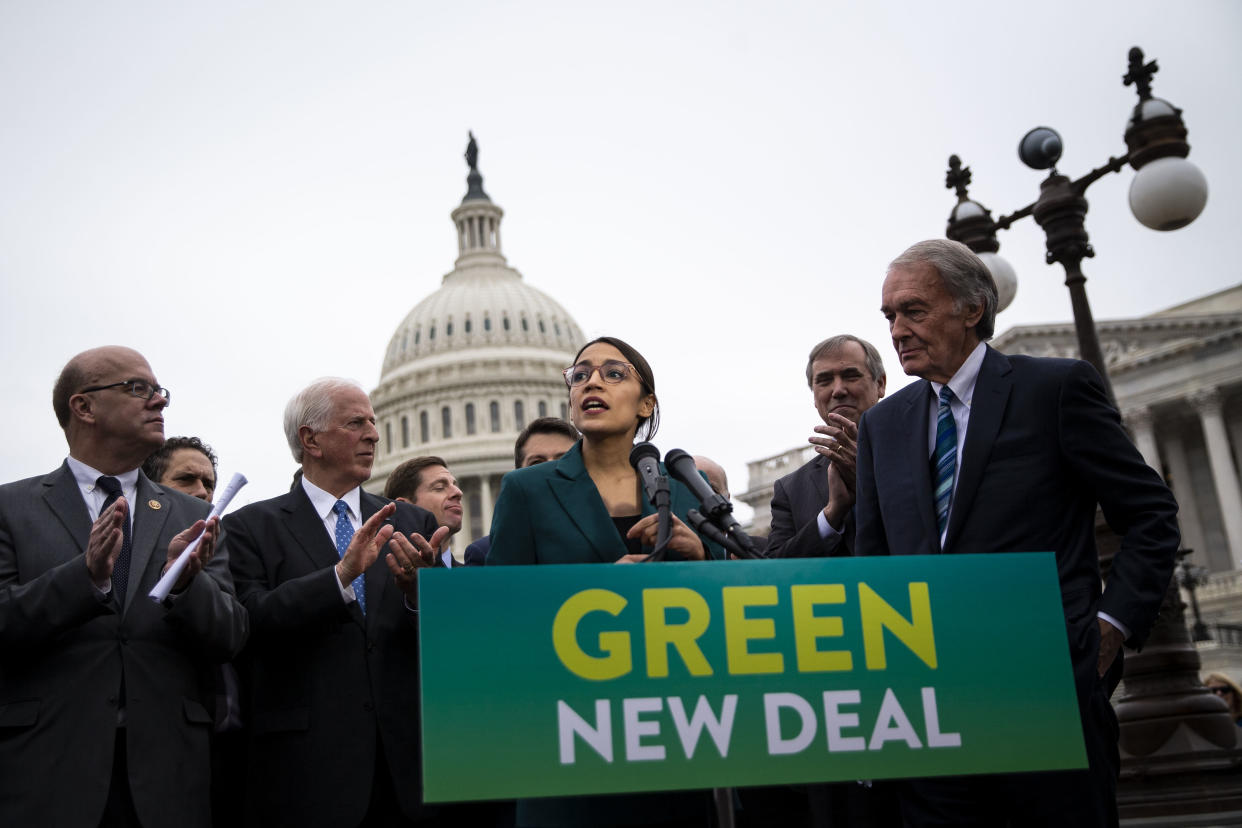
919,459
149,522
819,479
576,492
308,530
987,409
64,498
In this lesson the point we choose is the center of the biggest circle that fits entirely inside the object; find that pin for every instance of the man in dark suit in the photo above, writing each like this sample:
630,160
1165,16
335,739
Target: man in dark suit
426,482
995,453
812,517
333,657
103,720
811,506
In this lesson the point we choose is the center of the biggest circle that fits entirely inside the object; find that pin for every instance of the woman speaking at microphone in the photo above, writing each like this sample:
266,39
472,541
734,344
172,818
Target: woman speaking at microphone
588,507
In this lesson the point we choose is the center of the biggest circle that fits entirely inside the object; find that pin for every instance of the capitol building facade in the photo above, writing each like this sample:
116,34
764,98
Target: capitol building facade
472,364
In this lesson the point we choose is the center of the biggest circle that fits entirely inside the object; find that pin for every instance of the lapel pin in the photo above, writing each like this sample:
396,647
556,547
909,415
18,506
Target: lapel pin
154,504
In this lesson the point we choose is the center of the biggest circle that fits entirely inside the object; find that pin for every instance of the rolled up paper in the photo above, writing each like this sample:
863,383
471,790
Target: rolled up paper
161,590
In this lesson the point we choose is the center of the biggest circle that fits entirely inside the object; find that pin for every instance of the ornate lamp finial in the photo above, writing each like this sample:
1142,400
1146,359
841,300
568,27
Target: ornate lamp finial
957,178
1140,74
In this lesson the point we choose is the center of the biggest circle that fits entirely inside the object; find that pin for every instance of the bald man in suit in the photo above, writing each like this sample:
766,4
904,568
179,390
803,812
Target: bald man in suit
103,717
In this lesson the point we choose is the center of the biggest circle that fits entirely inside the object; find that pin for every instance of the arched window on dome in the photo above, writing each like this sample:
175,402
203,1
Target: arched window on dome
542,327
405,432
525,324
505,321
558,328
388,437
448,328
519,415
565,412
424,427
493,411
467,324
487,323
446,422
431,334
543,408
470,426
417,334
405,337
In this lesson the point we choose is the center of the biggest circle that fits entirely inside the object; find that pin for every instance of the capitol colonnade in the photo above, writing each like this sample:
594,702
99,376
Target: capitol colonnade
1177,377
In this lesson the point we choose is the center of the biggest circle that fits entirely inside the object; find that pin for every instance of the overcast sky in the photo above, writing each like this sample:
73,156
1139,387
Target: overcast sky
255,194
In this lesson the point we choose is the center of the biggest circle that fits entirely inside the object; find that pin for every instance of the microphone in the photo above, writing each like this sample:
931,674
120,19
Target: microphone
709,530
645,458
715,507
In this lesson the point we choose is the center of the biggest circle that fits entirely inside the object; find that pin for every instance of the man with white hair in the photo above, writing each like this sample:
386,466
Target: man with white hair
328,573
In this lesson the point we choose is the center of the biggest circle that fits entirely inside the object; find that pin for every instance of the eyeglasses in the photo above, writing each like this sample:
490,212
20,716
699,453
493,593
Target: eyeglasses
141,389
1222,691
612,371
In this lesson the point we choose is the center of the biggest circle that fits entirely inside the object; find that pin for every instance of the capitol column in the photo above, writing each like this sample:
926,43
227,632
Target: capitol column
1235,432
485,499
1184,490
1224,475
1139,420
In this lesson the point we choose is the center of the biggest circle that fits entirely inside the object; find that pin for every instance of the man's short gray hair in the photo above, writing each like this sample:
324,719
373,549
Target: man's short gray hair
966,277
875,365
313,406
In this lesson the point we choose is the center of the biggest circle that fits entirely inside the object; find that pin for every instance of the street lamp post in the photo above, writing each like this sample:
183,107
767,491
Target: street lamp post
1168,192
1179,745
1190,578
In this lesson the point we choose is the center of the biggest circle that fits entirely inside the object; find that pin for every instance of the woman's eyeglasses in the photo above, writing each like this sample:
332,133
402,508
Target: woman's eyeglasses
612,371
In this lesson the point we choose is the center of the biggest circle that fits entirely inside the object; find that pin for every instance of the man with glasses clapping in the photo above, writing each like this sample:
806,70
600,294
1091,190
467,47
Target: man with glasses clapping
102,717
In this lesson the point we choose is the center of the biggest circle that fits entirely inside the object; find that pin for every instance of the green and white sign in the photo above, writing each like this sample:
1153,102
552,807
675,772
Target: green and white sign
553,680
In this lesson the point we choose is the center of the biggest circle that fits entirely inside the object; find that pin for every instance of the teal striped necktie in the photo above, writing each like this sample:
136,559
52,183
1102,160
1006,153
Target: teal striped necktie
946,457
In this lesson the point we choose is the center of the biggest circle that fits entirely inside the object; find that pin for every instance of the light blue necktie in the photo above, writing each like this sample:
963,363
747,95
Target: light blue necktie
344,534
946,457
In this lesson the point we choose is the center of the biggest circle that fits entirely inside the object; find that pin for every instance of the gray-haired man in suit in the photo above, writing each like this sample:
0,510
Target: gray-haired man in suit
328,573
102,717
811,506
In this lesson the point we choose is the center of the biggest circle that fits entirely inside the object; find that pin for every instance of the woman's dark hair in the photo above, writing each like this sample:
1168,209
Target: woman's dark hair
646,425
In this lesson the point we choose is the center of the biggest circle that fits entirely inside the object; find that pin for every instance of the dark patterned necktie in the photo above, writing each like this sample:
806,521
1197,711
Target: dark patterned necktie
946,457
120,569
